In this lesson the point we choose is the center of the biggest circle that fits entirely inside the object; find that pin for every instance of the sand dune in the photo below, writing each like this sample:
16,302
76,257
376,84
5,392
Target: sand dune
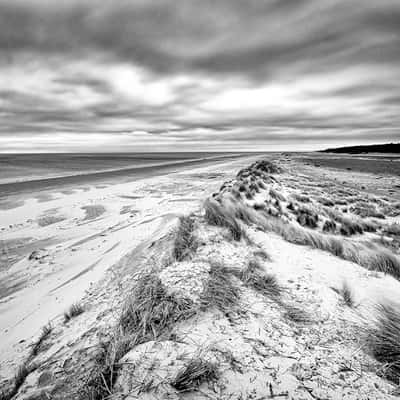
73,252
245,297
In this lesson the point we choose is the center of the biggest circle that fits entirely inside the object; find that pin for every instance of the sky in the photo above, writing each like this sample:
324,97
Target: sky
198,75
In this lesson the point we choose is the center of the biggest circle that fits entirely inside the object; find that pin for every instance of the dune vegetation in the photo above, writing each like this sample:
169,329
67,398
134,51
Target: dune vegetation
205,311
251,201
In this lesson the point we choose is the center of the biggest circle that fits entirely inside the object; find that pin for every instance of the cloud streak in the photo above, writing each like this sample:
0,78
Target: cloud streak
206,75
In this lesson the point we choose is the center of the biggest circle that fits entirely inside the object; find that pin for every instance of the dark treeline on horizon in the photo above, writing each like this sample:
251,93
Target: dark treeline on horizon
373,148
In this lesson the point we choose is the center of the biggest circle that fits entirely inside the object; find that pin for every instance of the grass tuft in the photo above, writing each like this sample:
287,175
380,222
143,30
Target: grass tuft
261,168
19,378
149,314
100,381
242,188
192,375
45,333
365,210
218,215
254,276
73,311
185,241
329,226
347,294
23,371
382,340
150,310
266,166
220,291
350,228
383,260
307,219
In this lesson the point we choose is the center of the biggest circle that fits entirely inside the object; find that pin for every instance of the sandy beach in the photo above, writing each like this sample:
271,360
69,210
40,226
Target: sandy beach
266,270
59,243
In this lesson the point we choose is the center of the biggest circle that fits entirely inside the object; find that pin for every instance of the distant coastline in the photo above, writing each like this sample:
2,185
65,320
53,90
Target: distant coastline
393,148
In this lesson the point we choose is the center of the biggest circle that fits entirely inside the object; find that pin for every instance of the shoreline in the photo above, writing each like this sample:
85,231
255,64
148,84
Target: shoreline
128,173
39,177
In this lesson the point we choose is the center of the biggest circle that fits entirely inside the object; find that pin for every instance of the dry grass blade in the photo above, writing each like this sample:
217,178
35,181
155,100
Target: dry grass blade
196,372
185,242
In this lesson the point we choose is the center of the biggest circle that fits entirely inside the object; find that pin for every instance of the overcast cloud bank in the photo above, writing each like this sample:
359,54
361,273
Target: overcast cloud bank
198,75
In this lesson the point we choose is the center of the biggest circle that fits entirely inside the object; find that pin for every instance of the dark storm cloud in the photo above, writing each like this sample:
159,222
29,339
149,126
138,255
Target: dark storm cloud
222,36
325,66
